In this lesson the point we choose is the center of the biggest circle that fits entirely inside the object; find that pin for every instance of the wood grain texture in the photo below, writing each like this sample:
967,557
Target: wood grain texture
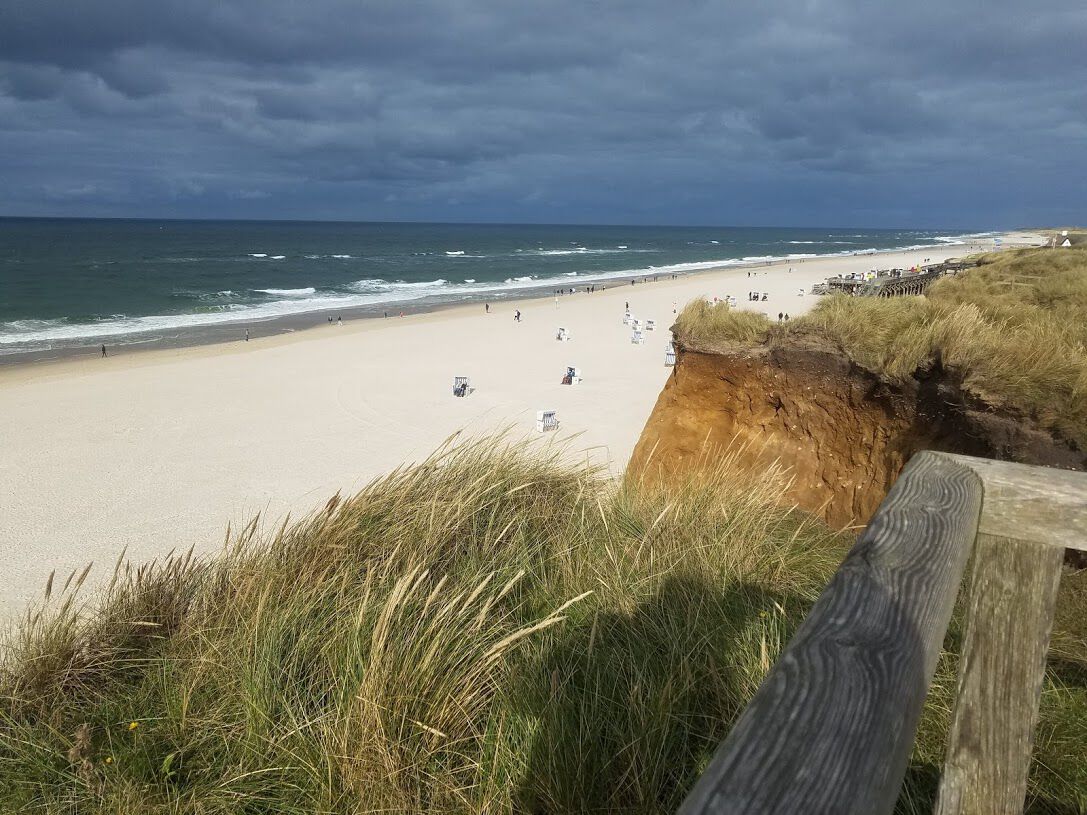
1029,503
831,728
1012,596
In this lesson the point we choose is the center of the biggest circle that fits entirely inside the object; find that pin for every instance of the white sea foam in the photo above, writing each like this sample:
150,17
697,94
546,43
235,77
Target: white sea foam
341,257
581,250
289,292
278,257
21,335
257,255
456,254
469,280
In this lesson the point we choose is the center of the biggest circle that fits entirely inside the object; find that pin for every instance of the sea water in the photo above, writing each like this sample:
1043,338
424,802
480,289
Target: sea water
67,283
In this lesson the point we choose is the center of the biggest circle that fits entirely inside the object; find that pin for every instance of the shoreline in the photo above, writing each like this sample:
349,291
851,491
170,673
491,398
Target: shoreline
303,324
161,449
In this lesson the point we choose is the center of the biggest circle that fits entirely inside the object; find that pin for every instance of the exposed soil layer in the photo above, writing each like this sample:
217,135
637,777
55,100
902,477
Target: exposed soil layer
844,432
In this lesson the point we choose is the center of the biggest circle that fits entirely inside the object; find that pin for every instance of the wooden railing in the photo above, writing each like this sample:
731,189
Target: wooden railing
831,728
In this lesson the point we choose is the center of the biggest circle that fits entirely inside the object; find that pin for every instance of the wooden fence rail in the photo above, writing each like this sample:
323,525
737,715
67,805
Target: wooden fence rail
831,728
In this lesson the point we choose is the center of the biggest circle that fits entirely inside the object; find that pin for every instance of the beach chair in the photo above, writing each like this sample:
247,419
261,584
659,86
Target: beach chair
627,318
650,325
462,386
669,355
546,420
563,335
636,324
637,337
573,376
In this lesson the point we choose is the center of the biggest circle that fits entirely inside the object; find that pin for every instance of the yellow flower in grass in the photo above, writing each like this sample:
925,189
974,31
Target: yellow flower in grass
109,759
133,725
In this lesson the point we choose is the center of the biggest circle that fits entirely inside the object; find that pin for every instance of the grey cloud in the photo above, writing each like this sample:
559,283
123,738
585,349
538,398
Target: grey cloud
687,111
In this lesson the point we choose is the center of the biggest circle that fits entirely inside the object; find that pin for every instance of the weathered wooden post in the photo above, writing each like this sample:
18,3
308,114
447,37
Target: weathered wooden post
1029,515
832,725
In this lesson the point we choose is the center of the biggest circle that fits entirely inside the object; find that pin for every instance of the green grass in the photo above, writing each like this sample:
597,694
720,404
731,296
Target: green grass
1013,331
494,630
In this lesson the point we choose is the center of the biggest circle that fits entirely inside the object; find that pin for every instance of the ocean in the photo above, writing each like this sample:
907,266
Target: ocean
69,284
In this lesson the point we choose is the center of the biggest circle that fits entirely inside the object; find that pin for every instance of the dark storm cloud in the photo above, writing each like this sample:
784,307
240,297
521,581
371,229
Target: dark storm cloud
814,111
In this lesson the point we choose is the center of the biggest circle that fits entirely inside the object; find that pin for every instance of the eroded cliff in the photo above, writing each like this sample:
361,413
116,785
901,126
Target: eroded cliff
843,431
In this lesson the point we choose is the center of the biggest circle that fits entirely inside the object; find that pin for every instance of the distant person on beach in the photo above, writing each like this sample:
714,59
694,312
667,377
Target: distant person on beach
517,316
780,316
486,308
247,335
339,320
786,317
103,350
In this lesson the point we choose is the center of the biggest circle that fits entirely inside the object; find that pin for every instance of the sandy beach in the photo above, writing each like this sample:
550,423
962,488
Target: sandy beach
159,450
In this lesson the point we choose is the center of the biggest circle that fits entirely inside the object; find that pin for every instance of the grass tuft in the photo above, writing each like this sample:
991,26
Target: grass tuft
1013,331
493,630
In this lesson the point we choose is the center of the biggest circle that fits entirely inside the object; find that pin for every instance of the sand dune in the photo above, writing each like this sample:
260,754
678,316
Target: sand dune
159,450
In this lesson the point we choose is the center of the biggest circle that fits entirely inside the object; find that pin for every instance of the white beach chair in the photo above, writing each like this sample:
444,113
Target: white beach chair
563,335
637,337
573,376
462,386
546,420
669,355
627,318
636,324
650,325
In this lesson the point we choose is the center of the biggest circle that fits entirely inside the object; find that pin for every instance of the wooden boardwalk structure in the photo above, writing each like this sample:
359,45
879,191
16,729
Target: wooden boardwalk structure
892,283
831,728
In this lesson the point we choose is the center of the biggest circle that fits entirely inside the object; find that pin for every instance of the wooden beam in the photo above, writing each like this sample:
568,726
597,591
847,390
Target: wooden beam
1012,595
1042,505
832,725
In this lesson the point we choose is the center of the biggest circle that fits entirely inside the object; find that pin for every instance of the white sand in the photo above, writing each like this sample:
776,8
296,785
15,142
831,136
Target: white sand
159,450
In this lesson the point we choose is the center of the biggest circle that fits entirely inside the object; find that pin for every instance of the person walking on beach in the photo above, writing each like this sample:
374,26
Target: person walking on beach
517,315
103,351
247,335
780,315
786,317
486,308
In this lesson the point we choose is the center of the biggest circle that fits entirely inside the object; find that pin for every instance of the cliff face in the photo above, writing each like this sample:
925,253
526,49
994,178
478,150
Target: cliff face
844,433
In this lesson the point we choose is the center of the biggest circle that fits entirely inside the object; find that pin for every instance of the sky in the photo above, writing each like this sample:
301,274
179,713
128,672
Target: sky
931,113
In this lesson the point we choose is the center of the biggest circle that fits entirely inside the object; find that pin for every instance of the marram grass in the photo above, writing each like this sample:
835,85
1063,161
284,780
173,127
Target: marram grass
493,630
1013,330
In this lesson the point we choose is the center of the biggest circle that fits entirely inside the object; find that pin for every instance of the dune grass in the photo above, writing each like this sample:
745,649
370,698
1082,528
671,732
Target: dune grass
1013,330
493,630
